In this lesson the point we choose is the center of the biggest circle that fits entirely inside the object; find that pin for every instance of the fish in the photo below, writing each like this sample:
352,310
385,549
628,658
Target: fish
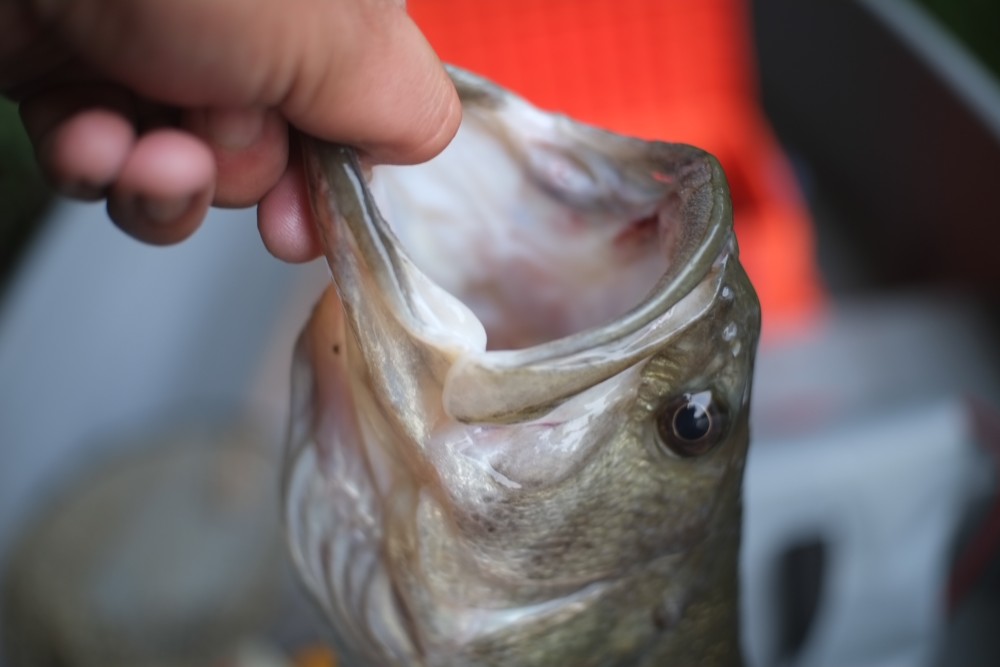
519,413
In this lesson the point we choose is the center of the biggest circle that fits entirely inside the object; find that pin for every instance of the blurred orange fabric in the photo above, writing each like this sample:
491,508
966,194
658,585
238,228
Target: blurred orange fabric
673,70
315,656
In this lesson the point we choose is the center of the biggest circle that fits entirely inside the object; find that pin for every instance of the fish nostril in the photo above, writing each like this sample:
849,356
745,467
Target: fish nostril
800,590
667,614
661,620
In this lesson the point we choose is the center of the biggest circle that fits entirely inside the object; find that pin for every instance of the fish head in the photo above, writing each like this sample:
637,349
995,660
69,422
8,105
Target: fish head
520,414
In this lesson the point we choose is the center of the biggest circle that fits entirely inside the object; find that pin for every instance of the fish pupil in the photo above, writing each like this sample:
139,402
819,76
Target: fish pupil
692,422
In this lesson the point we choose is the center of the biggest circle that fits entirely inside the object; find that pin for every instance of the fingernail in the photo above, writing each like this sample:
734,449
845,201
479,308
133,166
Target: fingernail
163,211
234,129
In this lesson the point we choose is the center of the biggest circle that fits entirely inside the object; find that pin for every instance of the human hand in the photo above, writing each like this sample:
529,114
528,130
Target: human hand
164,108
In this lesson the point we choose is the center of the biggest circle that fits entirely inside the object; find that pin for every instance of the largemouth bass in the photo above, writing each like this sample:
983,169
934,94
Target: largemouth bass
520,415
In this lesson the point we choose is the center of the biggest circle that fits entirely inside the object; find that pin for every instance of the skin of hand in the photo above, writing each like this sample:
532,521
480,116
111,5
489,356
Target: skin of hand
166,108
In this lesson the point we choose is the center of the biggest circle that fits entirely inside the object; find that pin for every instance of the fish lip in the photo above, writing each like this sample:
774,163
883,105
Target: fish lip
559,368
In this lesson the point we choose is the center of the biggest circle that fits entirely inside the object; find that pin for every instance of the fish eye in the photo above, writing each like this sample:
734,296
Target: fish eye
691,424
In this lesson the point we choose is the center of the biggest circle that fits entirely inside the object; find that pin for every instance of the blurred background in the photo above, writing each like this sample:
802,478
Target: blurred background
143,390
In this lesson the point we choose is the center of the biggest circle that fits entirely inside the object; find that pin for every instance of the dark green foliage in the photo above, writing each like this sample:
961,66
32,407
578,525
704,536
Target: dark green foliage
976,23
23,194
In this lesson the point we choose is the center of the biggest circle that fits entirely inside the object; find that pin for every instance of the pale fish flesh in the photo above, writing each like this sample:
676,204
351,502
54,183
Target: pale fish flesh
520,417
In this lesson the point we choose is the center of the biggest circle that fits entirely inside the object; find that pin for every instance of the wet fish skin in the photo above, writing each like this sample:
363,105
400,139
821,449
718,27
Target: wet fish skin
553,531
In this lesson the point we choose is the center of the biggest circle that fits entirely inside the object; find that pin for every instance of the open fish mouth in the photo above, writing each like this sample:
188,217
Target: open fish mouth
482,396
562,246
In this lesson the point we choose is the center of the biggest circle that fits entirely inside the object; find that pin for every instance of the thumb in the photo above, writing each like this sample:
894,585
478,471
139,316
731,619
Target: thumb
376,85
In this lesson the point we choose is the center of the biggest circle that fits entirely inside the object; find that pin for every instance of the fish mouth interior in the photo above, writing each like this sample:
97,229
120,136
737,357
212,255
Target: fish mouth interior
539,241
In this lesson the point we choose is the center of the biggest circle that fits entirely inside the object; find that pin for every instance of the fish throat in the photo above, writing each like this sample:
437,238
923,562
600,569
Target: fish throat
537,254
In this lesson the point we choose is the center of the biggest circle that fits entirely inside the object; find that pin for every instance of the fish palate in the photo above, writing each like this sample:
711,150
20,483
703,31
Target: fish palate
519,415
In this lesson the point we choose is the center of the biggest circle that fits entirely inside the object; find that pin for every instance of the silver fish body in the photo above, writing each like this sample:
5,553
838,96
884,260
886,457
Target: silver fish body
520,418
